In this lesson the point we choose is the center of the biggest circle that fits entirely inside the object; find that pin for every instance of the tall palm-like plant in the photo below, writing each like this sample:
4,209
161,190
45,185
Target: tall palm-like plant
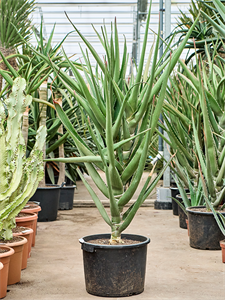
14,18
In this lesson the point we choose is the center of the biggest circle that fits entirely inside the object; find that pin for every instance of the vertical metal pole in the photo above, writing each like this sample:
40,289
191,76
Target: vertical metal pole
138,36
160,55
163,200
166,154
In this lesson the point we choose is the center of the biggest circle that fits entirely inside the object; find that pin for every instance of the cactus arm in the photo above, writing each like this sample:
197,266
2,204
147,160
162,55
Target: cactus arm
3,156
17,171
15,112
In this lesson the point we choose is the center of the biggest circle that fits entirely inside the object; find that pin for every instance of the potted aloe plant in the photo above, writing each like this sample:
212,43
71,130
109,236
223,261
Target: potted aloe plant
205,163
19,175
124,116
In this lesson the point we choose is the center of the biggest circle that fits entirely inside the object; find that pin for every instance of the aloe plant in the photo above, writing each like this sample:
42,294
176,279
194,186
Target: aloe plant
19,175
205,127
124,115
195,196
203,35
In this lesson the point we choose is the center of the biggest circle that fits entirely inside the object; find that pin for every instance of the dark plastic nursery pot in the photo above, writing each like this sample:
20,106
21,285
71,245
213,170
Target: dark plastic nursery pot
114,270
174,193
204,233
182,216
48,197
66,197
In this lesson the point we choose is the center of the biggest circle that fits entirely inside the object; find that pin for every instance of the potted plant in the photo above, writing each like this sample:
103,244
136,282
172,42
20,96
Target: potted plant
5,254
206,135
19,175
124,115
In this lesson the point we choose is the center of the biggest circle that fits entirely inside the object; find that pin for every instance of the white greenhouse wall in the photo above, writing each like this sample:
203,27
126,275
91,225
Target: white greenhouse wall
85,13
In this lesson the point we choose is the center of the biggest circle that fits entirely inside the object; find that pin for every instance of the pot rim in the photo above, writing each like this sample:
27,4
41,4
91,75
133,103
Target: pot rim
180,197
50,187
191,210
31,210
15,244
143,241
10,251
24,232
68,187
31,216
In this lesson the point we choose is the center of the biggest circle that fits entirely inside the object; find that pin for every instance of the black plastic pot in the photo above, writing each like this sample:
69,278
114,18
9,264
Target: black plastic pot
182,216
49,201
174,193
66,197
114,271
204,232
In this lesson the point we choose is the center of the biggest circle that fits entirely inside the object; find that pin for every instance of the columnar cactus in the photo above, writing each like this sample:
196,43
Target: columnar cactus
19,176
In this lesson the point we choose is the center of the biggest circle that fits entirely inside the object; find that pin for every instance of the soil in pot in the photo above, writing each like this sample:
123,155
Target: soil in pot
27,219
124,265
28,234
48,197
204,233
17,243
5,254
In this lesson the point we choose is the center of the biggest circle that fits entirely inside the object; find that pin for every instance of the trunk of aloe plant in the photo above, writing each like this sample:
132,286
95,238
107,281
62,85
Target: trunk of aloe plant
115,234
43,94
61,164
62,172
6,52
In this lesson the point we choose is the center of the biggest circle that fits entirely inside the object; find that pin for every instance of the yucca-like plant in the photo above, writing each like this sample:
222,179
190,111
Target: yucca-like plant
14,18
19,175
124,115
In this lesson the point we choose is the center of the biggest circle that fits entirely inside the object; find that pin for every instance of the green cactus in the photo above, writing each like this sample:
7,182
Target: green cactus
19,176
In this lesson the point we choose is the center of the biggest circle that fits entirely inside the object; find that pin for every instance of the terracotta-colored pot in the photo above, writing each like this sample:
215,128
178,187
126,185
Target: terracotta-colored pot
28,234
32,208
4,261
30,220
222,245
187,226
16,260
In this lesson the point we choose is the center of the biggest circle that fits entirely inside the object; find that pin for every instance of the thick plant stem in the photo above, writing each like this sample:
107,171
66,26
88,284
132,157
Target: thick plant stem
62,172
61,164
115,235
43,94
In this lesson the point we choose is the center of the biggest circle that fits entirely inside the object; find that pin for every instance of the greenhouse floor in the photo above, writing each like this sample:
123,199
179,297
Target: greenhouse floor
174,270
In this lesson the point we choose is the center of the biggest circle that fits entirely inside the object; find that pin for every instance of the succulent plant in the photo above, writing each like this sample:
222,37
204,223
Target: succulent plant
19,176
